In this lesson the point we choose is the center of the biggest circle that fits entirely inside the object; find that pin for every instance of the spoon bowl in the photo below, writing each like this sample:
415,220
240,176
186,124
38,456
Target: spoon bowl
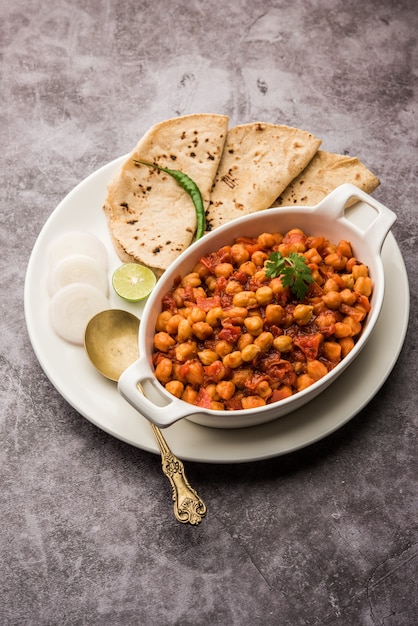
111,342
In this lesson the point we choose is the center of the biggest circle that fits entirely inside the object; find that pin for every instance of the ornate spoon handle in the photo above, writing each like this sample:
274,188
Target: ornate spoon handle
188,507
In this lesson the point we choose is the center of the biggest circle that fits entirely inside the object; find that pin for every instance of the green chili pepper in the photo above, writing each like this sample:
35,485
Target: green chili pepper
191,188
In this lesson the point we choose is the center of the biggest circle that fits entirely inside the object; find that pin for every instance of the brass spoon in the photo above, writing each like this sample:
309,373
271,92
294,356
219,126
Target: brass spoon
111,343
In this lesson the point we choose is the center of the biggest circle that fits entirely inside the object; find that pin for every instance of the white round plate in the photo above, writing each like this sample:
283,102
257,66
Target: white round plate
98,400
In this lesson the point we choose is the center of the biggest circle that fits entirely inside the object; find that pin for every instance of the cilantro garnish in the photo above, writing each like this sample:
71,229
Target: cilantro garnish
292,270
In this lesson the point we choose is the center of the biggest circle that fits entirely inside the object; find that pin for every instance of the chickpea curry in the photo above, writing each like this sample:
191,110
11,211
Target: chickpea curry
233,335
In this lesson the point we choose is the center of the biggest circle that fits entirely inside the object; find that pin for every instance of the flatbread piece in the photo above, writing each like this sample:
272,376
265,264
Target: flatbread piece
150,217
323,174
258,162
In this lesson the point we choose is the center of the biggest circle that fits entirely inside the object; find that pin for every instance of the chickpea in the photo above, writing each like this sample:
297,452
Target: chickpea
163,341
348,296
178,372
328,248
353,324
282,343
194,374
332,351
318,278
284,249
202,330
233,359
201,269
164,369
260,276
363,285
217,406
266,240
196,315
303,314
263,389
264,341
175,387
313,256
236,314
223,347
207,356
315,242
254,325
240,377
342,330
347,344
335,260
185,351
189,394
211,283
359,270
173,324
239,253
274,313
276,286
179,295
244,299
330,285
361,312
248,353
233,287
304,381
184,330
285,391
249,268
244,340
225,389
347,280
258,257
198,292
224,270
350,264
344,248
264,295
316,370
332,299
211,391
191,280
162,320
252,402
213,315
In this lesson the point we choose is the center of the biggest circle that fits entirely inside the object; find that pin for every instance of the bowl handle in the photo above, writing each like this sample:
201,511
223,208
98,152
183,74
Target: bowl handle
335,205
162,412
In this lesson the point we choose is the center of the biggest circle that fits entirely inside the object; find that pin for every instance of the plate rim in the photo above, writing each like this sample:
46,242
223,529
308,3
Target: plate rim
185,430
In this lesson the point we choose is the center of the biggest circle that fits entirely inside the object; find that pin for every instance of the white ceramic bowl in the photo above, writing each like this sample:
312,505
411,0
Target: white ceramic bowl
328,218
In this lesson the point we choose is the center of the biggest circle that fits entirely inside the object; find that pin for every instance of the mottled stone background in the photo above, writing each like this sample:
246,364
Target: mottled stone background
323,536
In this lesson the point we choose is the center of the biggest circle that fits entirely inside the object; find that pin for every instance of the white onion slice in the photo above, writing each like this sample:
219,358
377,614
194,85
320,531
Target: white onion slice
71,309
78,268
77,242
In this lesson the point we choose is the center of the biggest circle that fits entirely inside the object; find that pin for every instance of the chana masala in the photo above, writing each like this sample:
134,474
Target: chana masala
230,336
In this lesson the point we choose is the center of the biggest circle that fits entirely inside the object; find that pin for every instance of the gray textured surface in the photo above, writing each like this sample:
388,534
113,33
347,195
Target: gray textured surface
323,536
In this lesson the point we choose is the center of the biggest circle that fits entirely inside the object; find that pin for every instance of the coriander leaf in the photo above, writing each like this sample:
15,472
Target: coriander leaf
292,270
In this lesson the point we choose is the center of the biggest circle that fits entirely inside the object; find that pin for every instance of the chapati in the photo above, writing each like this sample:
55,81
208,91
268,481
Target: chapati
323,174
258,162
150,217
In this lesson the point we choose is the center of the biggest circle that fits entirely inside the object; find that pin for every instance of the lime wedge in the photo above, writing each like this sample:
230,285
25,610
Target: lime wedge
133,282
